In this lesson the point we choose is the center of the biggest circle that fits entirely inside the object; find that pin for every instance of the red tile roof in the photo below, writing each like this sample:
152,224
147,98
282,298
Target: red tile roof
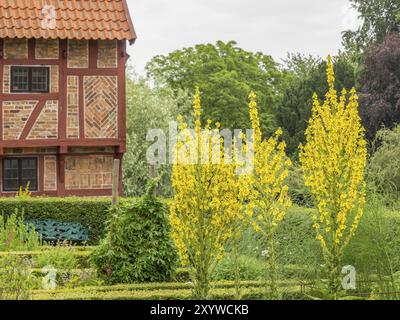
74,19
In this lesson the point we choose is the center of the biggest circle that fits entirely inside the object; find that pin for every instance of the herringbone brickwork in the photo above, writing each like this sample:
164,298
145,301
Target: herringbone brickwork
101,107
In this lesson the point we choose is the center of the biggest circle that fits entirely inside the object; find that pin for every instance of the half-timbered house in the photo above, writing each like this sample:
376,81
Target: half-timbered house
62,94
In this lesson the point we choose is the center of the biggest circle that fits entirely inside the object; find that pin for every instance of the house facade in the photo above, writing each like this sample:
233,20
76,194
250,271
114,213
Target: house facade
62,95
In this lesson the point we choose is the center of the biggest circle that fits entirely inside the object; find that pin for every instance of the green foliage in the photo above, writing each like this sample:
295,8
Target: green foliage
91,213
148,108
307,77
383,172
298,191
375,249
296,243
379,17
170,291
16,280
250,268
15,235
60,257
81,255
137,246
225,74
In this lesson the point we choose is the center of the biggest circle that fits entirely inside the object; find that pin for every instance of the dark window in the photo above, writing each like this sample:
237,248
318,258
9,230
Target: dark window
18,172
30,79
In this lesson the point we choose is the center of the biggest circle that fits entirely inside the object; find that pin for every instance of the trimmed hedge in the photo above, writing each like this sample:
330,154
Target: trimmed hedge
164,291
91,213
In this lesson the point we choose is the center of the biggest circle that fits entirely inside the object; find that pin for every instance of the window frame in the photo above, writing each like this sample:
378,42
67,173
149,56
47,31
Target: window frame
30,79
19,173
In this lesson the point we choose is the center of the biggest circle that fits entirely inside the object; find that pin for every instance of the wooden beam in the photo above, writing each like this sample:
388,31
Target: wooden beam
93,72
28,96
31,62
1,90
31,49
62,118
115,187
81,108
33,118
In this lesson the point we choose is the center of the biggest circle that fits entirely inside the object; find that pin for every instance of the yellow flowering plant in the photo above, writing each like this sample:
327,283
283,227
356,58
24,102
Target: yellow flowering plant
333,160
207,199
267,192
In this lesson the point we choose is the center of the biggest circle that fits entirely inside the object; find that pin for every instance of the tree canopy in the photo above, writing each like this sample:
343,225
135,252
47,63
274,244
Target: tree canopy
379,17
380,99
225,74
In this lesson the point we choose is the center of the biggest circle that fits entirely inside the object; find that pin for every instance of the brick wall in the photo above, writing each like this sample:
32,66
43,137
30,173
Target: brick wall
73,107
107,57
6,79
50,173
15,116
46,126
88,172
78,54
101,107
47,49
54,78
15,49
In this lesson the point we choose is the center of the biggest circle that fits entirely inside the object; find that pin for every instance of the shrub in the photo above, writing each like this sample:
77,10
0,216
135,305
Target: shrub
91,213
16,280
383,171
376,246
15,235
60,258
250,268
137,247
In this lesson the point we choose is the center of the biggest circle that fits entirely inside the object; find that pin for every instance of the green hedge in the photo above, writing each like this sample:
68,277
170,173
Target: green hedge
92,213
217,294
163,291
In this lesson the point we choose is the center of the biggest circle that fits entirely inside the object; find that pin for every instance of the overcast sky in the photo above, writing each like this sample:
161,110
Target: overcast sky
274,27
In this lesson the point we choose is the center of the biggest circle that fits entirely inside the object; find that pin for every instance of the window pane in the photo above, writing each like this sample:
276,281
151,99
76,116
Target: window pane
10,174
19,79
29,163
10,163
29,173
18,173
40,79
10,185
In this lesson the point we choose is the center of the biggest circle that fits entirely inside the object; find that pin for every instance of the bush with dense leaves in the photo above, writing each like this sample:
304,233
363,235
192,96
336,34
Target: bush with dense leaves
137,247
383,172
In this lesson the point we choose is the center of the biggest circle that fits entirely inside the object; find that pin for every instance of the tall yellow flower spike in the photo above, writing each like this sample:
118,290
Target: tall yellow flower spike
334,160
207,200
268,194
